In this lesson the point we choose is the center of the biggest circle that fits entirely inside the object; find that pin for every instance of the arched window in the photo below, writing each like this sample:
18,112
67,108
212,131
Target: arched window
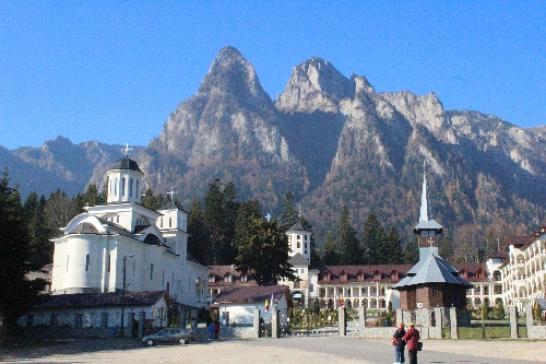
87,262
170,221
116,187
131,187
123,186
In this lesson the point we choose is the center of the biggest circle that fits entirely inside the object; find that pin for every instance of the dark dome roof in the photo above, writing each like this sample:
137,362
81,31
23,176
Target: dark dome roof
126,163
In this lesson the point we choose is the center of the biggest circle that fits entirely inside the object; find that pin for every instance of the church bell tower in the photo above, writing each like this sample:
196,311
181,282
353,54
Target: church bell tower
427,230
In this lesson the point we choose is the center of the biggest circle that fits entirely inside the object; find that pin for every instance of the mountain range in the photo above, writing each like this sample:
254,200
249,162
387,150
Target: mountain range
329,139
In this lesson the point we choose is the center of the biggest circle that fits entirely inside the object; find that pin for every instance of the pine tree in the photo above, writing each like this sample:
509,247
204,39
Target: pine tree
411,252
289,215
348,243
373,240
264,253
330,250
91,197
247,211
199,242
17,292
393,248
41,249
220,212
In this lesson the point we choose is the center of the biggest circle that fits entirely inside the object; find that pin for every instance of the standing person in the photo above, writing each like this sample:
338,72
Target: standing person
399,344
216,329
211,329
412,340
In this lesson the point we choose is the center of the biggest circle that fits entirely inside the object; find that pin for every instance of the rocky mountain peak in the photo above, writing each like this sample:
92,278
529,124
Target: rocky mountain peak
231,74
362,85
315,85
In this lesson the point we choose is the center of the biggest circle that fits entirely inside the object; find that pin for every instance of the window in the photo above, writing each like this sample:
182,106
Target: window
78,320
108,263
162,277
87,262
116,187
122,186
305,245
303,270
170,221
117,219
67,260
130,187
211,279
161,222
305,252
151,271
298,237
299,245
305,238
104,319
168,287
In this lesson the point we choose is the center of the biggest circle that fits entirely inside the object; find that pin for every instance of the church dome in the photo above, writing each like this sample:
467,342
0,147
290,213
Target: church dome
126,163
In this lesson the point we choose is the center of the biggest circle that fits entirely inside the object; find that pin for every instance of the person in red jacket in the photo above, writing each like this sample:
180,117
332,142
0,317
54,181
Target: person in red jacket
412,339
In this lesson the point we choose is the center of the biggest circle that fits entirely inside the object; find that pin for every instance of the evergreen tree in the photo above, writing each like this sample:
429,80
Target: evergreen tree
220,212
374,241
393,248
151,201
246,212
199,242
330,250
289,216
411,252
348,243
17,292
41,249
91,197
264,253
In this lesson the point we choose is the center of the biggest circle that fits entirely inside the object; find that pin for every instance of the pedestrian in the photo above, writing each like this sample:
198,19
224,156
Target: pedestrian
216,329
412,340
399,344
211,329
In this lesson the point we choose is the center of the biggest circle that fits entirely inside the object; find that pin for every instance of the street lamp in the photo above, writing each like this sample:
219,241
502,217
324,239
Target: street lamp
123,291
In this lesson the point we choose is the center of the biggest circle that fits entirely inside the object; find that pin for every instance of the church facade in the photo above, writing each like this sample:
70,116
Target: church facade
119,250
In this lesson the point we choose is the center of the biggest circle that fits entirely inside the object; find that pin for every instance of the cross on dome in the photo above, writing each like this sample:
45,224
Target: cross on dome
127,149
171,195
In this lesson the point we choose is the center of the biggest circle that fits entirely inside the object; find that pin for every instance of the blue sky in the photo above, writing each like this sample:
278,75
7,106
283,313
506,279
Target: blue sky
113,70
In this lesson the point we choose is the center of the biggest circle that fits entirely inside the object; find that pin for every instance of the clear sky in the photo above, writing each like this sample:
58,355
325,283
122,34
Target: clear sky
113,70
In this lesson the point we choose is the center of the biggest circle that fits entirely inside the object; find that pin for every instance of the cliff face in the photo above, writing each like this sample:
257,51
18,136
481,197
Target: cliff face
332,141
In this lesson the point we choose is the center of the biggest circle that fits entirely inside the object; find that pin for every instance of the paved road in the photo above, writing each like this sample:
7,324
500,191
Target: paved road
300,350
378,351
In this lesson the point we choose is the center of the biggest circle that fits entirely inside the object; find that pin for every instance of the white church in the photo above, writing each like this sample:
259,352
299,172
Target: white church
120,261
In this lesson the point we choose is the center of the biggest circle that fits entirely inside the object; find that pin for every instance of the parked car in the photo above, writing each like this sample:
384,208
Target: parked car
170,335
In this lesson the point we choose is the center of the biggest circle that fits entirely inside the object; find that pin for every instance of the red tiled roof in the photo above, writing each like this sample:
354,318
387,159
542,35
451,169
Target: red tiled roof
516,240
219,272
251,294
387,273
390,273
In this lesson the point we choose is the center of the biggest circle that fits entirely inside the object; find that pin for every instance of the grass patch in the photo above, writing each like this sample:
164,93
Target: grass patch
488,332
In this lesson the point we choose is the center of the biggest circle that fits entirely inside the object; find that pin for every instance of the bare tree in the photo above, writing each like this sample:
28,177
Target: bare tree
59,210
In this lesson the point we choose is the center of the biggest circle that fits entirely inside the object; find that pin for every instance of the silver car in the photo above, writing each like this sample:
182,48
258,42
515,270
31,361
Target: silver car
171,335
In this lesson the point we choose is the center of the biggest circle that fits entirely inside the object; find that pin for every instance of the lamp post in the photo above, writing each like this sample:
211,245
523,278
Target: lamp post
123,292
